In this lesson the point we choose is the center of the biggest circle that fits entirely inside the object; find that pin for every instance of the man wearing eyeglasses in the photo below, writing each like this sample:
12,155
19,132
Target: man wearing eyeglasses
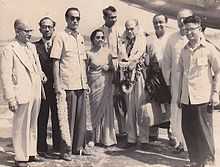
199,67
113,33
43,46
70,81
134,42
172,51
21,77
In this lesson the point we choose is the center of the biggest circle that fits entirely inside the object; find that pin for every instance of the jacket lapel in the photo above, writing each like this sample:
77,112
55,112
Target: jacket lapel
24,60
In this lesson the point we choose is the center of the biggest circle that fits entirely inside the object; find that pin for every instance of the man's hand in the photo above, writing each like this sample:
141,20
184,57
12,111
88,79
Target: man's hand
132,65
105,67
44,78
13,105
214,99
58,89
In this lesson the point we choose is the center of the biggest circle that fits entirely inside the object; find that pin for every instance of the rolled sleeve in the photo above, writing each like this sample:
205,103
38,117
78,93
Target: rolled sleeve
56,50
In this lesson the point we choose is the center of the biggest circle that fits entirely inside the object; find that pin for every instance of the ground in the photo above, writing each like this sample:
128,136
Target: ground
157,154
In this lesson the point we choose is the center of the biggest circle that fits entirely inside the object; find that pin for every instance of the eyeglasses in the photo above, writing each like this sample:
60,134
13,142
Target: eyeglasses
191,29
130,29
159,22
26,31
100,37
112,17
72,18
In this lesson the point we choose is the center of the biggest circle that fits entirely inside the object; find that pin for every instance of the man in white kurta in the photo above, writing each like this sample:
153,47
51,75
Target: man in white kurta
113,33
156,43
172,51
21,77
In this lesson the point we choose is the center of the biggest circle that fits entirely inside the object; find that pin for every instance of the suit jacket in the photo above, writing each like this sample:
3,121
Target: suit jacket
19,71
45,61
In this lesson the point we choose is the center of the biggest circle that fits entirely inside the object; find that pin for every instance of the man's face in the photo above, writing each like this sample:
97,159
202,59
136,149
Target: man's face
159,23
23,35
47,28
110,18
73,19
193,32
131,29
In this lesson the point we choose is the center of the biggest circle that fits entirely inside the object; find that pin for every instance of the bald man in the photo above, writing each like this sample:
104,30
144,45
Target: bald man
21,77
174,45
134,42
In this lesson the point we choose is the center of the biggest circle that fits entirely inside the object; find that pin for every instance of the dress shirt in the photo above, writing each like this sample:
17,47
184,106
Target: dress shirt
196,67
69,48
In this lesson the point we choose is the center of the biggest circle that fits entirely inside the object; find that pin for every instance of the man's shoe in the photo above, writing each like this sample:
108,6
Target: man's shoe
43,154
66,157
21,164
82,152
179,149
35,159
129,145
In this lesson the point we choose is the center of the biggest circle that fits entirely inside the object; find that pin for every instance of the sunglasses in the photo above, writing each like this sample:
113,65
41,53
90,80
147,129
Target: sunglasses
72,18
100,37
26,31
112,17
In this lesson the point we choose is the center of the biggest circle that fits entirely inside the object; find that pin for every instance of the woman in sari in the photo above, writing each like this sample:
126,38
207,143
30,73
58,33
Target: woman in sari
100,73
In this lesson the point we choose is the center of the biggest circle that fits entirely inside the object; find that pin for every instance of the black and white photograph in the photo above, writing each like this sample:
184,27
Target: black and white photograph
110,83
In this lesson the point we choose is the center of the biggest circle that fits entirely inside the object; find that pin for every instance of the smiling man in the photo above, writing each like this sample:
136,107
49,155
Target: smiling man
21,77
198,92
43,46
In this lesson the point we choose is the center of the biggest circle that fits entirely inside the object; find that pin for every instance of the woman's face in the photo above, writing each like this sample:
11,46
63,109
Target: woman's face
99,39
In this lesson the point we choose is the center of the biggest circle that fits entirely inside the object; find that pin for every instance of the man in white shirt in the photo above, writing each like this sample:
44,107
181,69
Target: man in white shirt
113,34
199,66
70,81
172,51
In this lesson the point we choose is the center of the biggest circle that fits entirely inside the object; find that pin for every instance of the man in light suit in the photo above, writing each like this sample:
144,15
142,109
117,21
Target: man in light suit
43,47
21,79
134,41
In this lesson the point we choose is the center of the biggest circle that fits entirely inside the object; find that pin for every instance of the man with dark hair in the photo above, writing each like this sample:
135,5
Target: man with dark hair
198,93
21,79
70,83
43,46
113,34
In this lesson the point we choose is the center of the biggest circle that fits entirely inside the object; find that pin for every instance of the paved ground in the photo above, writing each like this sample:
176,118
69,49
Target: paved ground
157,154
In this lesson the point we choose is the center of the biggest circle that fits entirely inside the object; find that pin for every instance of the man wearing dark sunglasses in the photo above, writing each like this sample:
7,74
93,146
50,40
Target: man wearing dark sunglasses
70,83
21,77
113,33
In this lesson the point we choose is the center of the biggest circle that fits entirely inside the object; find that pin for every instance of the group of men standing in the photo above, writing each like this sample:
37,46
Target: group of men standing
59,63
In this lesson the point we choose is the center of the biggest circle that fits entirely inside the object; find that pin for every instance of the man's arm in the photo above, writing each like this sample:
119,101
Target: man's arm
7,76
55,54
214,59
180,70
167,63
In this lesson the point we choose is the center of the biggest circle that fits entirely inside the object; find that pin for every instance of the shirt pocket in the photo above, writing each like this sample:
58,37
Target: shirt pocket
202,61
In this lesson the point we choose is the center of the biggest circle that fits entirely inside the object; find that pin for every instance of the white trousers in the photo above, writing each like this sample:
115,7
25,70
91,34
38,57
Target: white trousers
24,132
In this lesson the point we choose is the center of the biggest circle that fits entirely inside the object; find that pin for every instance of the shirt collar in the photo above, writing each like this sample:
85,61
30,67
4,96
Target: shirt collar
47,41
202,43
71,32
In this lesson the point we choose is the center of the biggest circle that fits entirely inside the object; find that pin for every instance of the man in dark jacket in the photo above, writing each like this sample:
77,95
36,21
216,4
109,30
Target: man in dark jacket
43,47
